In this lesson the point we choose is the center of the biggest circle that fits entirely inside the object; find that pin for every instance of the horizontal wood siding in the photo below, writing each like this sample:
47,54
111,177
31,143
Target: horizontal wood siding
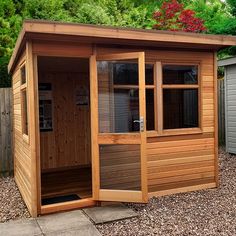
120,167
180,163
22,152
183,162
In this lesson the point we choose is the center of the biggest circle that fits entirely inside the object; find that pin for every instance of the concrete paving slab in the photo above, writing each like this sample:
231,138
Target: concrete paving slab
109,213
86,230
26,227
62,222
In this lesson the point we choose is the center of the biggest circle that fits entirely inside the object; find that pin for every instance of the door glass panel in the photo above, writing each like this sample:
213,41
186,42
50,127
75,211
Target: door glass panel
127,73
120,167
124,73
126,110
118,102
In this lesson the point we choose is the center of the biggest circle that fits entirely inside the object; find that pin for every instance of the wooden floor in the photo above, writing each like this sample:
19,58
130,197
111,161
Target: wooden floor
73,181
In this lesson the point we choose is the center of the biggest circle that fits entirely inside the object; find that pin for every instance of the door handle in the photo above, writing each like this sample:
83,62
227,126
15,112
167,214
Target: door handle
141,123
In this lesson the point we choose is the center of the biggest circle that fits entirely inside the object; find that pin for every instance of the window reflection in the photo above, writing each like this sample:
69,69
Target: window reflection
180,108
180,74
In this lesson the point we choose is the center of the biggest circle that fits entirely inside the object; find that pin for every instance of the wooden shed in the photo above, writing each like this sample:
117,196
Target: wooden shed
112,114
229,65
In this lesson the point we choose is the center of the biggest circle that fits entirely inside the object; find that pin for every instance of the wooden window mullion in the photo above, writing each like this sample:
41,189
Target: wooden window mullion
159,98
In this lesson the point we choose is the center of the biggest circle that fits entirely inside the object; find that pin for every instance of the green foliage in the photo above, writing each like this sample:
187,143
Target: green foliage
219,17
5,80
232,6
45,9
212,12
10,24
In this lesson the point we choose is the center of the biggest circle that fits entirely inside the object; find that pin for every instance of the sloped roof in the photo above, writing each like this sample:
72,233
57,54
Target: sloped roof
52,30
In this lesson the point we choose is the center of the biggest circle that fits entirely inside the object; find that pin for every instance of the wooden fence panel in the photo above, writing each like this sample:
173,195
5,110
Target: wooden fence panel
6,159
221,111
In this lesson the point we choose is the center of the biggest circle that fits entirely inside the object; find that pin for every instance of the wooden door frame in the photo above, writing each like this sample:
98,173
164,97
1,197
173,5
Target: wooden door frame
96,138
46,209
51,208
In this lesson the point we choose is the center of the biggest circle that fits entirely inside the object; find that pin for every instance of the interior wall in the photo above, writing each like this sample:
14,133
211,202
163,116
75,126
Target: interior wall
68,144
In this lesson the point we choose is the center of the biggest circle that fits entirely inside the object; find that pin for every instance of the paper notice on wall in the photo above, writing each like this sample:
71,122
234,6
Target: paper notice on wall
82,96
45,107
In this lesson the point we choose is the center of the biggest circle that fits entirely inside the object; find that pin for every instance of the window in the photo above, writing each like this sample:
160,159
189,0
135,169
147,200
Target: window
172,97
180,74
23,75
24,102
180,96
24,112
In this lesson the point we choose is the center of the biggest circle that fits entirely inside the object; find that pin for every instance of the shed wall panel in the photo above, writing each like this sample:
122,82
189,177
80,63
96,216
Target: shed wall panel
230,102
22,151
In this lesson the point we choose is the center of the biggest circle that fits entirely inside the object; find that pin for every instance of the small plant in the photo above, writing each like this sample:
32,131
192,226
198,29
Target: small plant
172,16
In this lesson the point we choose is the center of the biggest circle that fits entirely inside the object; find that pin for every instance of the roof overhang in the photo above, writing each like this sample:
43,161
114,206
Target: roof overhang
40,30
227,61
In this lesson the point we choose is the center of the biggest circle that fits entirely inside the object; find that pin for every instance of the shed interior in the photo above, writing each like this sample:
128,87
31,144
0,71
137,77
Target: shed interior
64,118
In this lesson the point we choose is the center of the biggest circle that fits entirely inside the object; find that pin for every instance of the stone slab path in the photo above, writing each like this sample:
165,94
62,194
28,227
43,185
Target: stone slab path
109,213
68,223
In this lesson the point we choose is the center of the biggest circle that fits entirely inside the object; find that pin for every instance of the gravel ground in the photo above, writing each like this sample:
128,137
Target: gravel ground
205,212
12,206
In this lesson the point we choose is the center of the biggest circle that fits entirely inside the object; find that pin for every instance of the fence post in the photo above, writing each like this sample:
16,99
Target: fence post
6,160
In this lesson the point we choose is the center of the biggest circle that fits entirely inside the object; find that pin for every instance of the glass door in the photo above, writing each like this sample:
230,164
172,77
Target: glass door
118,127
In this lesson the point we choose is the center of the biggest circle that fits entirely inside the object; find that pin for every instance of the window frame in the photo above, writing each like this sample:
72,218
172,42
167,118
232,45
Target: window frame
24,119
158,96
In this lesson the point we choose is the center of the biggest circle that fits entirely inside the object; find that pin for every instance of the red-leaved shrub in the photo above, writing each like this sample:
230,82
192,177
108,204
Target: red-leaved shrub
172,16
